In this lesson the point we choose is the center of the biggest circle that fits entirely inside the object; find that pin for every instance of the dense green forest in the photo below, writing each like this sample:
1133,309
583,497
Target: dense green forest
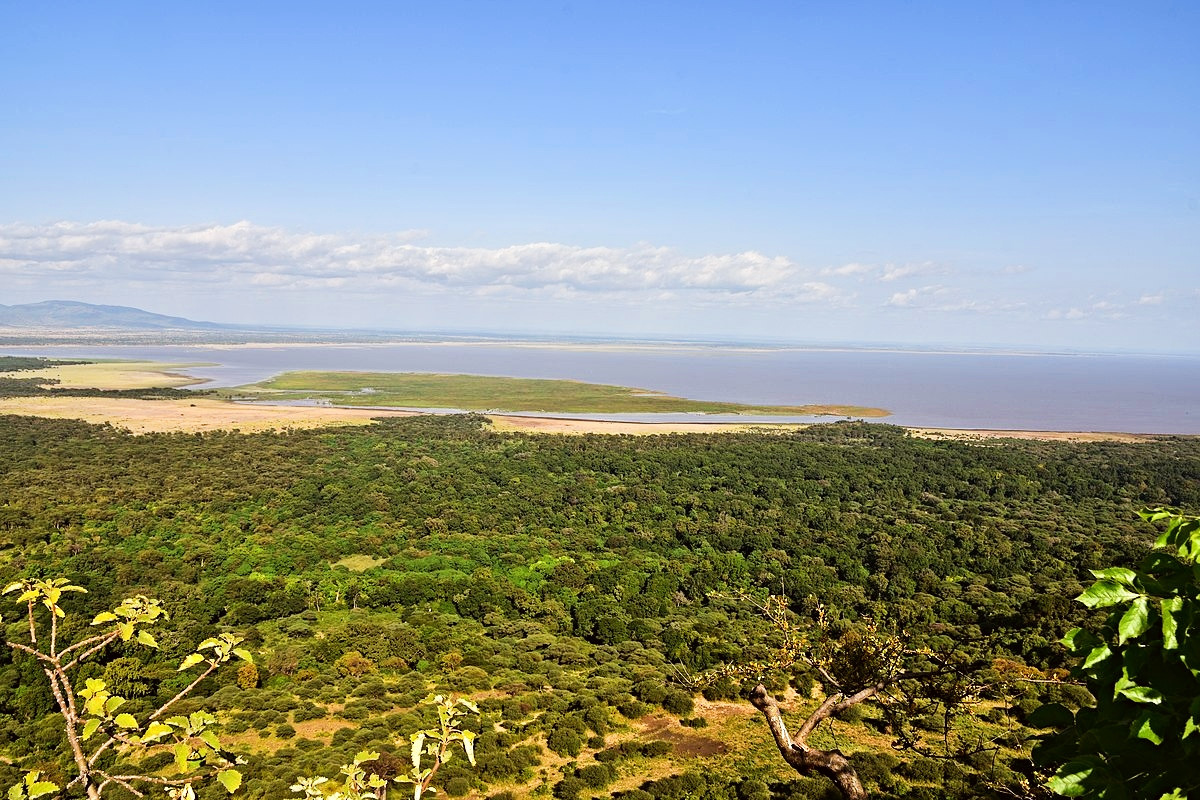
566,582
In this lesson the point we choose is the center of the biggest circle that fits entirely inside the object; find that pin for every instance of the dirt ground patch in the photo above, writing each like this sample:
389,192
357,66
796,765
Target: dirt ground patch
686,744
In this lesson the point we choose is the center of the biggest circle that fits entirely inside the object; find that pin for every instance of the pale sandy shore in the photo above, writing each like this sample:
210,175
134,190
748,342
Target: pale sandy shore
209,414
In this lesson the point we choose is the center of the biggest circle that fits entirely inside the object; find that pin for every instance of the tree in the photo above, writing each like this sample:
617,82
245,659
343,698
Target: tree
864,664
95,727
1141,739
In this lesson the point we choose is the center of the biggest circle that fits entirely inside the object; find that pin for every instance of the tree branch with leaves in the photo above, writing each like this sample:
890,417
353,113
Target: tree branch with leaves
864,664
430,749
92,719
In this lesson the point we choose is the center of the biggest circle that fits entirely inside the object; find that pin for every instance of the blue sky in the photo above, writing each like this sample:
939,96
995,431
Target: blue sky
962,173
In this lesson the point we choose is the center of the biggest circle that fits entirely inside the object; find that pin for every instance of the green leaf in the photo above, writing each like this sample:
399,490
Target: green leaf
125,721
1102,594
418,744
155,731
182,753
1068,781
144,638
468,743
1051,715
1135,621
231,779
1152,727
210,739
103,617
1120,575
191,661
1096,656
1141,694
40,788
16,791
1170,624
90,727
244,655
1079,640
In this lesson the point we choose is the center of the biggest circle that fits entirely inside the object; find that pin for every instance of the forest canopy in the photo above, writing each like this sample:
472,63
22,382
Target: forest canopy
568,580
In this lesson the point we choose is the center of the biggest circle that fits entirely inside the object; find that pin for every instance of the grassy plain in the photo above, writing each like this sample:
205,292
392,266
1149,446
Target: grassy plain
113,375
492,393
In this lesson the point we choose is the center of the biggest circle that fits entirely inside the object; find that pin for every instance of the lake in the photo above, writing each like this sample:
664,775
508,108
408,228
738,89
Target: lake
1129,393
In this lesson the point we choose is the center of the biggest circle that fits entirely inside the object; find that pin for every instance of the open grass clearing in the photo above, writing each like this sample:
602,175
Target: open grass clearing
113,375
494,393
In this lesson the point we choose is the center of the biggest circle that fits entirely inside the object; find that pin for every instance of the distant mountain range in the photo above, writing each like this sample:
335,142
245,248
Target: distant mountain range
68,314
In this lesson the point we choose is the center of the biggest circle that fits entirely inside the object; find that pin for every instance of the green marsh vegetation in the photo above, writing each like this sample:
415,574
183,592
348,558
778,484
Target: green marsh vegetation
566,584
493,393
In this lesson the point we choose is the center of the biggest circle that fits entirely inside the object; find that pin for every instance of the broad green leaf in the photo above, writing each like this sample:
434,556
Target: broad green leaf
182,753
144,638
191,661
1141,694
156,730
12,587
210,739
1102,594
1051,715
468,743
1135,621
1120,575
1170,624
40,788
1151,727
1096,656
1068,781
1193,723
90,727
418,744
126,629
1078,640
16,792
125,721
365,755
103,617
1190,727
231,779
244,655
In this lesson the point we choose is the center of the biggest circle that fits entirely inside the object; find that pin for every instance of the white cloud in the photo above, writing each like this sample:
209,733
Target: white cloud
247,255
1150,300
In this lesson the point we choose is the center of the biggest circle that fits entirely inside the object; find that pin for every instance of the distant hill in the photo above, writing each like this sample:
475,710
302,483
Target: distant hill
68,314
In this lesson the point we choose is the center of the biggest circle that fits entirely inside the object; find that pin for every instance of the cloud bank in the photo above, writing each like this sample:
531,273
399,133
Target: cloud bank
248,255
251,273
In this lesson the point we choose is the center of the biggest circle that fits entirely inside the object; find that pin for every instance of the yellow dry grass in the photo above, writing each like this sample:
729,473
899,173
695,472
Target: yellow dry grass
1047,436
191,416
113,375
